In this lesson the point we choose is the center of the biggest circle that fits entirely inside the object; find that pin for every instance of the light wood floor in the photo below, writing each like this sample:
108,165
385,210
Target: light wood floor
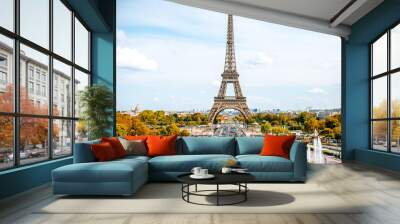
377,188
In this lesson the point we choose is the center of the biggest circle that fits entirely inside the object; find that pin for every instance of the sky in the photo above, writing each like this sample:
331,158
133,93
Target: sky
171,57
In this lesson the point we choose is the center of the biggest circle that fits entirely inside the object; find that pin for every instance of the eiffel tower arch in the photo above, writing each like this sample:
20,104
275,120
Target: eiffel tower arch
229,76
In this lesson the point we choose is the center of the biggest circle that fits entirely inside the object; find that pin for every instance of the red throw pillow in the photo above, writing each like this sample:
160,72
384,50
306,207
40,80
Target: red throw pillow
103,152
277,145
116,145
161,145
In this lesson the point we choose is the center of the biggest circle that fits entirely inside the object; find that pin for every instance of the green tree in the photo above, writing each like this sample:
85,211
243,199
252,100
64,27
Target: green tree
266,127
311,124
172,129
97,103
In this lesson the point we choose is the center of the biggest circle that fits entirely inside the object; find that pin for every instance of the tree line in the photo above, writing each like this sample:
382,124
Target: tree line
150,122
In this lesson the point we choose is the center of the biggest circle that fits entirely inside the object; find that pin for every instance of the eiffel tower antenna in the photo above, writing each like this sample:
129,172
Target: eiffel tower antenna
229,76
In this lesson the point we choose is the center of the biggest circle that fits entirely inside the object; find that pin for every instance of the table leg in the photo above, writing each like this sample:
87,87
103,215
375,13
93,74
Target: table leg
217,194
245,193
195,188
188,190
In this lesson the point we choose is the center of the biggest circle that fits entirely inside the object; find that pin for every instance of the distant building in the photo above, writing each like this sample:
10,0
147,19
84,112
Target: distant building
34,78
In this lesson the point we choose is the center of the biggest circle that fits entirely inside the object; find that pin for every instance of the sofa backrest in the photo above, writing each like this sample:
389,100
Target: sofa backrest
83,152
207,145
249,145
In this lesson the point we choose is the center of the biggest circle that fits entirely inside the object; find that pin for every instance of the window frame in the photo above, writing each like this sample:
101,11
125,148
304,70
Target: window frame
388,74
16,114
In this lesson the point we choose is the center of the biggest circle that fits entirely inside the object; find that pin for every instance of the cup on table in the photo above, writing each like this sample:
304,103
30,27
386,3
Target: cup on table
196,171
226,170
203,172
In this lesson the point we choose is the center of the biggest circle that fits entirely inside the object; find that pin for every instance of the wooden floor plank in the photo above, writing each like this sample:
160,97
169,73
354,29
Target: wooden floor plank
376,191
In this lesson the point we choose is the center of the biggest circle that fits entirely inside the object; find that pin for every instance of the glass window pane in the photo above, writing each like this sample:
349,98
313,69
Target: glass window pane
33,139
62,29
6,142
7,14
34,79
81,45
62,89
6,74
81,131
62,138
379,55
35,21
395,136
379,97
395,47
395,94
379,135
81,82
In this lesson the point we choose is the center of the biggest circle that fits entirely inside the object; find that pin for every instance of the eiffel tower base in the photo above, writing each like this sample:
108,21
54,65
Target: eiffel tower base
224,104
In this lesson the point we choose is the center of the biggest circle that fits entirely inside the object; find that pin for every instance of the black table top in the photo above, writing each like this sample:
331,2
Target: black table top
220,178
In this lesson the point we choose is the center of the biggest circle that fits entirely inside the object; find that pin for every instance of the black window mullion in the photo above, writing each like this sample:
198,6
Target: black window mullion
371,137
16,69
16,113
50,87
389,93
73,82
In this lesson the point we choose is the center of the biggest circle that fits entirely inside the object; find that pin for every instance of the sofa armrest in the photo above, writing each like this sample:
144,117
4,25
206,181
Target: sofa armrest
83,152
298,155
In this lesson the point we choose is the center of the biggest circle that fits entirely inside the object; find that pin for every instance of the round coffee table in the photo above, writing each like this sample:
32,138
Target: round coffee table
238,179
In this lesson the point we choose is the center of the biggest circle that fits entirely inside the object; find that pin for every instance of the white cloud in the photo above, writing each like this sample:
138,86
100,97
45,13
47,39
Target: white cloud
260,59
156,99
316,90
133,59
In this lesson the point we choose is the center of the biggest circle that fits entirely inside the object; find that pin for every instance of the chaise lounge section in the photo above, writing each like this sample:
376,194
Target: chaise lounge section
125,176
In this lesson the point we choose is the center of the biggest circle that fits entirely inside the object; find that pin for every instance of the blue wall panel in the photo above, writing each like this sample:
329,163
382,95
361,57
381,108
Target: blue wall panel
356,84
103,59
357,99
24,178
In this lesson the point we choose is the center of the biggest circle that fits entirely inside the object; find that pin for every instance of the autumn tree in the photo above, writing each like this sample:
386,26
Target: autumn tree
33,131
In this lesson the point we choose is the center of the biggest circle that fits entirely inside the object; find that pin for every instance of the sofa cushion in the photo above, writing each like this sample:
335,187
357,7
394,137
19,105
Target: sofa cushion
116,145
185,163
134,147
112,171
257,163
277,145
208,145
83,152
161,145
249,145
103,152
132,158
136,137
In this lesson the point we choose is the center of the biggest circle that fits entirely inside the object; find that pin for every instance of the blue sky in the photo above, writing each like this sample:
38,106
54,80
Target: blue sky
171,57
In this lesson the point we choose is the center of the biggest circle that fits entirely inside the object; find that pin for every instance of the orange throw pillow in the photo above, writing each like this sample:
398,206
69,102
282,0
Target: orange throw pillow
161,145
277,145
116,145
103,152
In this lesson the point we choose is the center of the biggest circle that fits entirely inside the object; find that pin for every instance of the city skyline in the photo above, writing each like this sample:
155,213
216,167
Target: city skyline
188,45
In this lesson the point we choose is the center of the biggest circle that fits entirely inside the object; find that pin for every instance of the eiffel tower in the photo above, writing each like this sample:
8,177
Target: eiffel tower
229,76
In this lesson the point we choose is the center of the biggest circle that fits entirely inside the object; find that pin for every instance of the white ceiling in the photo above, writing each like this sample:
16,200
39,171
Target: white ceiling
320,9
325,16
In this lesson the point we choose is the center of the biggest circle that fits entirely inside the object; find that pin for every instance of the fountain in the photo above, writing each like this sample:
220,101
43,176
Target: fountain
317,145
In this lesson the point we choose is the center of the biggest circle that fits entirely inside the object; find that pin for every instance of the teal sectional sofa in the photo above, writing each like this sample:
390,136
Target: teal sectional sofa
125,176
